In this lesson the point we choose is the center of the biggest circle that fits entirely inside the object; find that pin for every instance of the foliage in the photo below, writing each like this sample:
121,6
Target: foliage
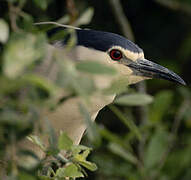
61,167
150,142
27,90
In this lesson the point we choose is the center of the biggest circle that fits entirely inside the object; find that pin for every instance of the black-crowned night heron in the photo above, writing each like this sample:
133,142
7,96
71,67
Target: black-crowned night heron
111,49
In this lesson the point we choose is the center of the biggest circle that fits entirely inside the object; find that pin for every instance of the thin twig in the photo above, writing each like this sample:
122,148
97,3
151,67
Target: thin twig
173,135
14,13
122,19
72,10
143,118
57,24
129,124
13,17
175,127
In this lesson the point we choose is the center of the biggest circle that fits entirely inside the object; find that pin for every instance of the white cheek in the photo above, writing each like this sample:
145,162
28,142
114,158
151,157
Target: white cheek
124,70
135,79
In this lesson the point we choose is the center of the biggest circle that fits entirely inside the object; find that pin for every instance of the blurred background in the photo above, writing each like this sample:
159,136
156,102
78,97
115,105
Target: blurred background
162,28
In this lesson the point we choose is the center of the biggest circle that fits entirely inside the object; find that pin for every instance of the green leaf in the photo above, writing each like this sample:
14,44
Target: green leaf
93,134
52,139
127,122
81,156
70,170
4,31
85,18
155,149
72,40
36,140
41,177
10,85
160,105
27,22
135,99
41,82
185,92
115,148
83,85
43,4
64,142
117,86
113,138
181,158
76,149
94,67
111,166
24,176
58,36
21,52
80,153
77,83
89,165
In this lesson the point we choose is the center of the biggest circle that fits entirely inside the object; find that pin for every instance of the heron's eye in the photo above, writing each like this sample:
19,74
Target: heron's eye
115,54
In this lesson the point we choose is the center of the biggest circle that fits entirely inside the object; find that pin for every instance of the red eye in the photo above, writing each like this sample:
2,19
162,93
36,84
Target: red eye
115,54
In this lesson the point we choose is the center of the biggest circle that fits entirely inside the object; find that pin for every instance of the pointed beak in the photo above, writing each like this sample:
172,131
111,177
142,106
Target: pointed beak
143,67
